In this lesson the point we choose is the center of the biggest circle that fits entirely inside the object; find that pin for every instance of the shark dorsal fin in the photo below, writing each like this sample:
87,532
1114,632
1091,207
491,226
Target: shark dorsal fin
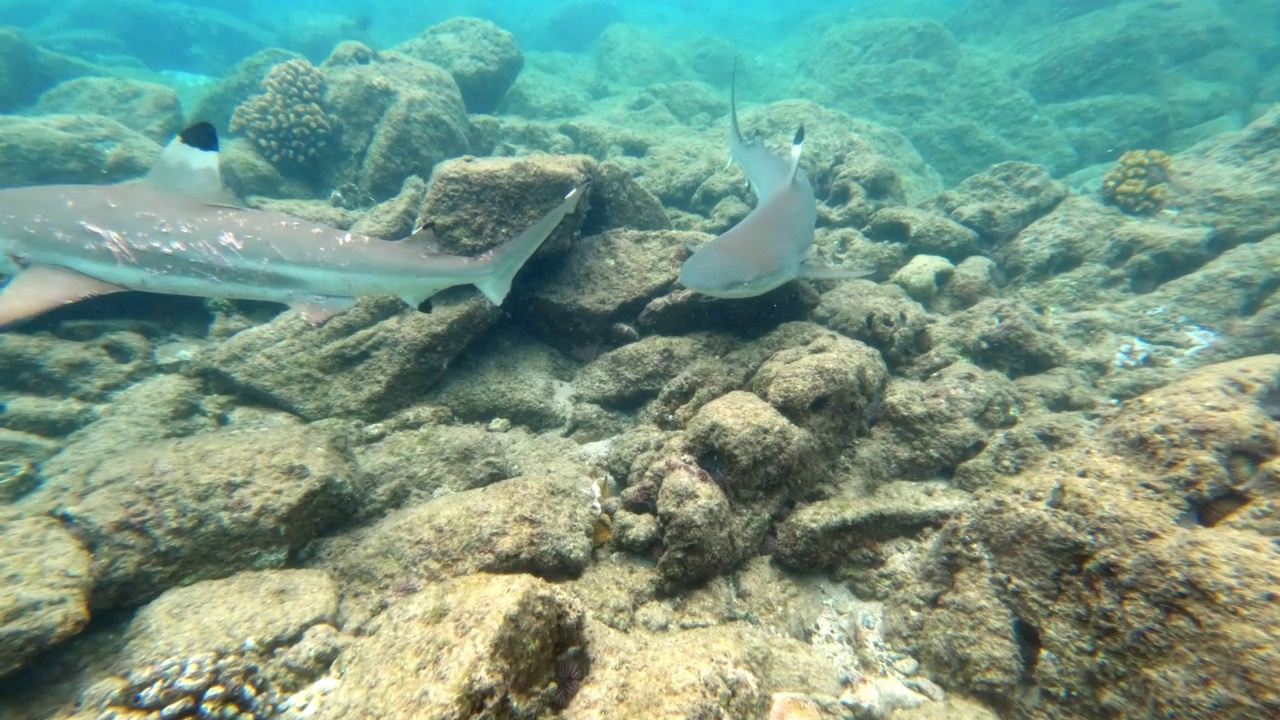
797,145
424,238
188,166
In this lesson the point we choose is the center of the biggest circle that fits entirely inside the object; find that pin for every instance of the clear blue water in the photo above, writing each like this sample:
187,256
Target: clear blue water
1064,84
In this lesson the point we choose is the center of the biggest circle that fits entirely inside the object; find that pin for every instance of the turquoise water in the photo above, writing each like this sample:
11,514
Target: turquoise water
600,359
1067,85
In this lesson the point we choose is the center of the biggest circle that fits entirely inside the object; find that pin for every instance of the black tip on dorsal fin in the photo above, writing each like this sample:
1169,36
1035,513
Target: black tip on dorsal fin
796,145
201,136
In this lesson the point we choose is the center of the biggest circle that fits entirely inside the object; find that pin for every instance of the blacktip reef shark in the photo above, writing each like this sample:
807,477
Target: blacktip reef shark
178,231
767,249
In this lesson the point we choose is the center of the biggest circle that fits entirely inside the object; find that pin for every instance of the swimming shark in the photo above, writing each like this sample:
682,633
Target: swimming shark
768,247
178,231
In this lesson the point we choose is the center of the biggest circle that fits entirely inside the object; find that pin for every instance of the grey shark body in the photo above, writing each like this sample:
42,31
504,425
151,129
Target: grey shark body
178,232
769,246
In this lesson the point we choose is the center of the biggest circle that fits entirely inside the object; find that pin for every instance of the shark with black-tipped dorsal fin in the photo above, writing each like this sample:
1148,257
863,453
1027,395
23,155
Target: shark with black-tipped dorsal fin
769,247
178,231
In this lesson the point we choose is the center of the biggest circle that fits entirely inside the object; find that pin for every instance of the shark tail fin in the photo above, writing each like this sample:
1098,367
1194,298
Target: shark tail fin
504,261
797,145
735,132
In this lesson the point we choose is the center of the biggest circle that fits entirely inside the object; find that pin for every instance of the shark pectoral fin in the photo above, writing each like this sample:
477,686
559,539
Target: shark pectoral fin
39,289
814,271
189,166
318,310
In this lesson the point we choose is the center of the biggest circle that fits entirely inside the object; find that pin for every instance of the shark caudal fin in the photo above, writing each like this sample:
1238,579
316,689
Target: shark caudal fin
504,261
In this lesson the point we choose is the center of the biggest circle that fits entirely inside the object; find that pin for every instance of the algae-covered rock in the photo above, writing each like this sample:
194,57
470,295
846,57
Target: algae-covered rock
728,670
248,174
973,280
842,532
697,532
621,202
412,458
536,525
207,506
87,370
826,385
1229,183
1011,451
924,429
635,532
400,116
626,377
396,218
1097,125
1236,283
1149,254
751,446
23,448
483,58
685,311
1073,234
999,203
540,95
475,204
606,279
45,416
997,334
1218,432
53,149
1187,60
483,644
692,388
367,362
159,407
1097,527
271,608
923,276
44,597
150,109
510,377
882,316
923,232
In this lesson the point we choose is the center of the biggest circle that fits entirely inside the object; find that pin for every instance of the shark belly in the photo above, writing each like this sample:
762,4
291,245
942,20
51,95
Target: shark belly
246,279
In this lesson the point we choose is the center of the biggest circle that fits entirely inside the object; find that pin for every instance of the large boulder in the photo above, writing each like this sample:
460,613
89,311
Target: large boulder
56,149
483,58
148,108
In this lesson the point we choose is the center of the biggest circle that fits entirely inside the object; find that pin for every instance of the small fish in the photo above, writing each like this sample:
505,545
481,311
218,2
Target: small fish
177,231
768,248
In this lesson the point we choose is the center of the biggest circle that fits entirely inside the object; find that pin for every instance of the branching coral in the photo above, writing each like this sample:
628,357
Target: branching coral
286,121
1139,184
